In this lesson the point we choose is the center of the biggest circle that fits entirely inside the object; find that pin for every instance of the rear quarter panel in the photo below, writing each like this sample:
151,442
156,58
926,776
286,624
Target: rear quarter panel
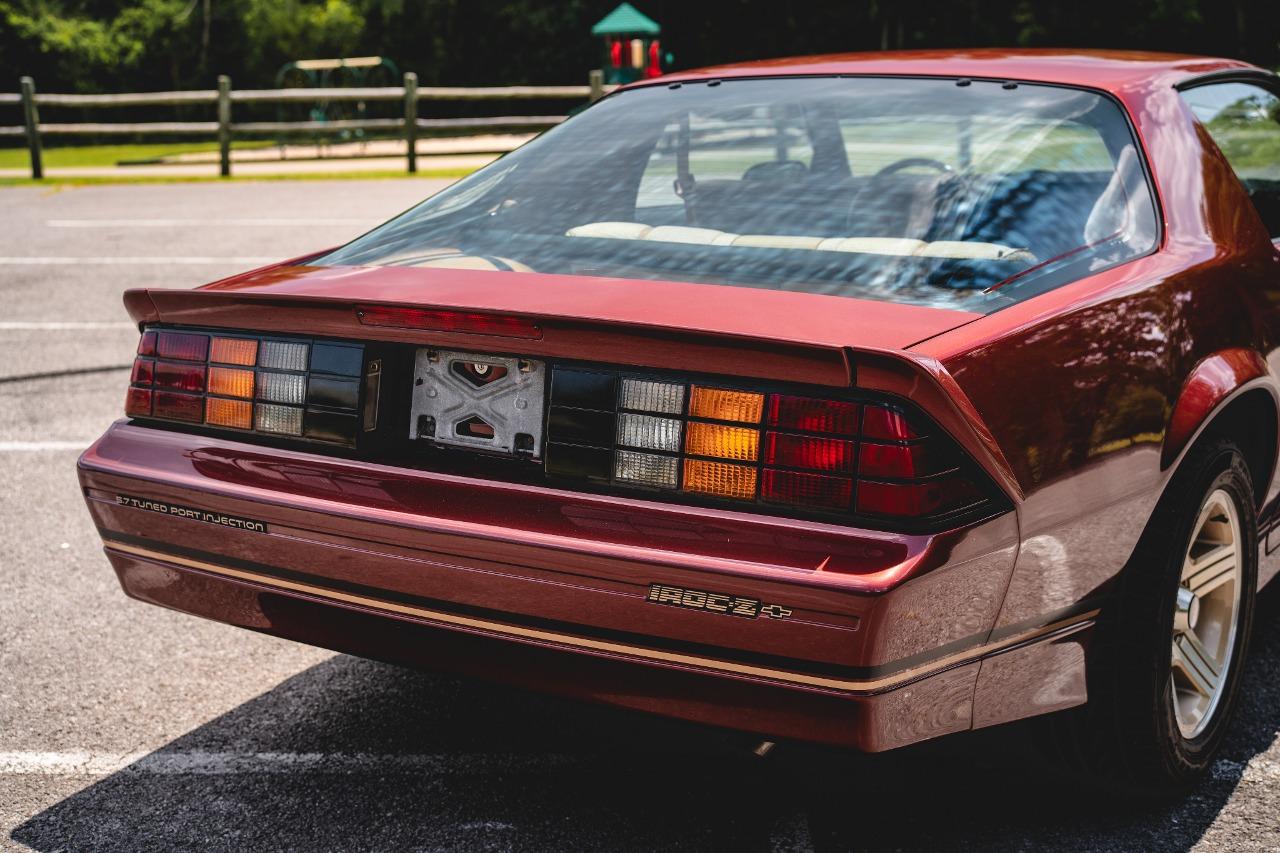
1079,385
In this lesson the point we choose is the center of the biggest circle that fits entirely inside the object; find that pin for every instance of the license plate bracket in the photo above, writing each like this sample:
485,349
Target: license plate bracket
479,402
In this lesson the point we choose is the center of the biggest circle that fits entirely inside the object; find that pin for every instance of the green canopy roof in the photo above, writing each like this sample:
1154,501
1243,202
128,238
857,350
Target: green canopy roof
626,20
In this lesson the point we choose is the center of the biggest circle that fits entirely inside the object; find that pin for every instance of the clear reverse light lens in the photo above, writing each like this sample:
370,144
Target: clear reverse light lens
648,431
284,420
282,387
646,468
647,396
283,355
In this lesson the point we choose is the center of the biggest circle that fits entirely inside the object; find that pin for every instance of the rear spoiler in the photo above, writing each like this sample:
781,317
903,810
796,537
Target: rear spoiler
592,340
922,379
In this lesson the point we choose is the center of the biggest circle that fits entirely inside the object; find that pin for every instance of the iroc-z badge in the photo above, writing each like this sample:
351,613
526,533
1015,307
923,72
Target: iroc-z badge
714,602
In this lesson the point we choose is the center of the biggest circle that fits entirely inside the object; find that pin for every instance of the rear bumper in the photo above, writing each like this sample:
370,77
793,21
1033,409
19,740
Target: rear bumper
867,639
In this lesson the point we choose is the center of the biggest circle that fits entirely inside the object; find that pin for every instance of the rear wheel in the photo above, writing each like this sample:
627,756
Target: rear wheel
1206,615
1166,670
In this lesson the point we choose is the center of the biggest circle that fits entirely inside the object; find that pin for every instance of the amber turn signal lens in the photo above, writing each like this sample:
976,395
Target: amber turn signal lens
719,404
720,479
725,442
234,351
229,413
230,382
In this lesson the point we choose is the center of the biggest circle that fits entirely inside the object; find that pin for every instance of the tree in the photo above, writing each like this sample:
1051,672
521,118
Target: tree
284,30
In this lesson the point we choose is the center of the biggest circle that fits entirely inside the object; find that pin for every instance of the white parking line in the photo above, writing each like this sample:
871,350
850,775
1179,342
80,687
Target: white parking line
227,763
229,223
131,260
39,446
23,326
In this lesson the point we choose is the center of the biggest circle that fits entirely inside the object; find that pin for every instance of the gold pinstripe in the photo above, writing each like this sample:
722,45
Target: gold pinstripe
608,646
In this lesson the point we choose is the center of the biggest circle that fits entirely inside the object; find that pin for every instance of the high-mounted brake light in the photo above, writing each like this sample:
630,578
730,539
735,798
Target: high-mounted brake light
449,321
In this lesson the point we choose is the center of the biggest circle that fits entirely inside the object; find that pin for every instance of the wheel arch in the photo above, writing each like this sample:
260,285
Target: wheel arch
1229,394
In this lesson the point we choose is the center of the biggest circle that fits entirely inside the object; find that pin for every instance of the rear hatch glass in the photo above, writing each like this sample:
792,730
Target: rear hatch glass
940,192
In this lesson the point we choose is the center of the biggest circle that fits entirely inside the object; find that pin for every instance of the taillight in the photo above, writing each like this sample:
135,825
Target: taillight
854,457
863,458
298,388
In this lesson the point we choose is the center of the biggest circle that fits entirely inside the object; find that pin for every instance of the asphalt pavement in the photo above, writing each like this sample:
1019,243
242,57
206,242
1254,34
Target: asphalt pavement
128,727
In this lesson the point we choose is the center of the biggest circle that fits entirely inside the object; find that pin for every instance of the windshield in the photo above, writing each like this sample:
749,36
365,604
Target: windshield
953,193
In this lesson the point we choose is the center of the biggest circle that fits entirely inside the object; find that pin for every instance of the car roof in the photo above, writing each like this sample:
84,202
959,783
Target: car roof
1101,69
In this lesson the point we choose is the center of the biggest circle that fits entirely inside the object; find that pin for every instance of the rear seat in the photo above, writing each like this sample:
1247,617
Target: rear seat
893,246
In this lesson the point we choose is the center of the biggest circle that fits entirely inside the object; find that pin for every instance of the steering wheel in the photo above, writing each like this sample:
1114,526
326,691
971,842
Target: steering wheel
911,162
873,184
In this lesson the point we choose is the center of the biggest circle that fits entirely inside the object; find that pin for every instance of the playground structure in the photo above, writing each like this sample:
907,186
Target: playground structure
632,50
330,74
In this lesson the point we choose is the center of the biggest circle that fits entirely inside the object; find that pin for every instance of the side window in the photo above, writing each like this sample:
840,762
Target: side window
1244,121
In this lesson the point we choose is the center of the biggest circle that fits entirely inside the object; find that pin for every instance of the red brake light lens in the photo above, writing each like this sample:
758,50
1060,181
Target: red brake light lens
882,424
916,499
143,371
137,403
147,344
816,490
807,451
899,461
184,377
182,346
813,415
179,407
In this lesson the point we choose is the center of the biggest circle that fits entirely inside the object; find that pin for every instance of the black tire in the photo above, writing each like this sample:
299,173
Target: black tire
1126,738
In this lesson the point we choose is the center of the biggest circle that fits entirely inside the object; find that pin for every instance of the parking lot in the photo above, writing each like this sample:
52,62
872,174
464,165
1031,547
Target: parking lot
126,727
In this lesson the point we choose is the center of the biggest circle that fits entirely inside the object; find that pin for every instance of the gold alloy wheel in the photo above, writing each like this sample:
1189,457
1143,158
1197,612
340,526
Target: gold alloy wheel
1206,614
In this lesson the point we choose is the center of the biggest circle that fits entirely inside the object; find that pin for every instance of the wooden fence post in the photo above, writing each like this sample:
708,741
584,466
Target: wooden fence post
32,118
595,79
411,119
224,125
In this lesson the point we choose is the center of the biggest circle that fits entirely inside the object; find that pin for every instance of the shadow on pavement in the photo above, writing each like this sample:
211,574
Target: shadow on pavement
505,769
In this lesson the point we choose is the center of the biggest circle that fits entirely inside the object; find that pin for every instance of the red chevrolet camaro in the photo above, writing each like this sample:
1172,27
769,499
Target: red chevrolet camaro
857,399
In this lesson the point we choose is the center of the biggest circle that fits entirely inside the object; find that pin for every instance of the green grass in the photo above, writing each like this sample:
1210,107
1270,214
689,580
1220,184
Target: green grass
1252,149
109,155
54,182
